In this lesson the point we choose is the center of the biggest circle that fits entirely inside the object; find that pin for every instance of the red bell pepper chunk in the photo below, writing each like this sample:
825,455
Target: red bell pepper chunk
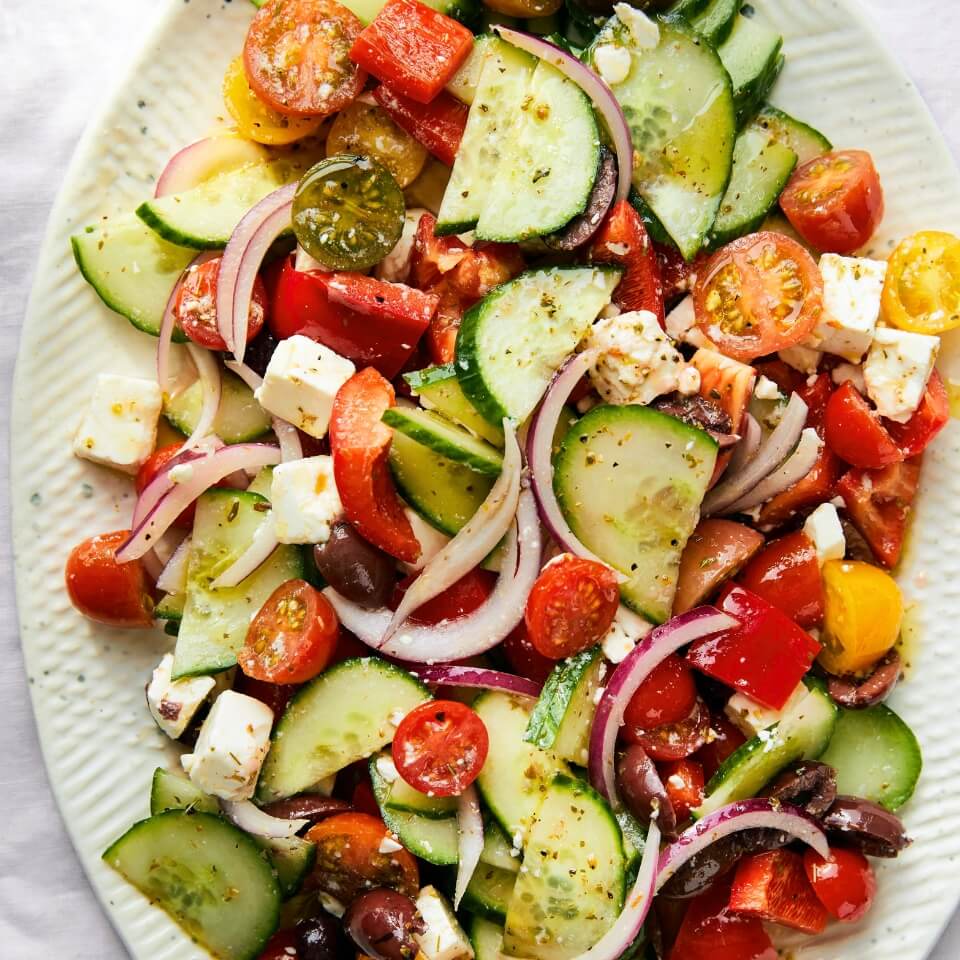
817,487
765,657
412,47
438,125
623,239
684,781
855,432
773,886
360,445
816,395
914,436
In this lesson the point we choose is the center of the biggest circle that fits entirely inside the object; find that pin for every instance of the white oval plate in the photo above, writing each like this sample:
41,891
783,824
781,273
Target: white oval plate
99,742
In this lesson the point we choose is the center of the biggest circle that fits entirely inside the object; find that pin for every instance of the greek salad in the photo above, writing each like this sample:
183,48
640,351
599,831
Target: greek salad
533,437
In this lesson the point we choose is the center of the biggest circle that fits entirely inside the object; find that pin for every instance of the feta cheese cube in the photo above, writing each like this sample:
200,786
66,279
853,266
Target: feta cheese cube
804,359
395,266
613,62
173,703
231,748
897,369
301,381
766,389
624,633
643,30
823,527
752,717
851,305
443,938
119,428
431,541
305,500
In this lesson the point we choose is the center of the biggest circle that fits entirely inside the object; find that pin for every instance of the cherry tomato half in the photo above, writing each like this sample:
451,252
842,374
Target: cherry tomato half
440,747
757,295
844,884
855,433
152,466
673,741
105,590
921,291
666,696
293,636
914,436
684,781
458,600
571,606
835,201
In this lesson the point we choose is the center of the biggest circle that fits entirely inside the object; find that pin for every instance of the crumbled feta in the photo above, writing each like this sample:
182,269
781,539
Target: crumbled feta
304,263
613,62
389,845
851,305
681,325
395,266
637,361
804,359
173,703
643,30
119,427
853,372
305,500
751,717
627,628
897,369
231,748
443,937
823,527
688,383
301,381
766,389
386,768
431,541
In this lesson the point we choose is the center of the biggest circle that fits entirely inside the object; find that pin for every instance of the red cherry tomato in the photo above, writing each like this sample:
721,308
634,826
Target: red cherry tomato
196,306
855,433
835,201
844,884
673,741
458,600
723,740
101,588
148,471
666,696
571,606
440,747
524,658
914,436
293,636
817,487
684,781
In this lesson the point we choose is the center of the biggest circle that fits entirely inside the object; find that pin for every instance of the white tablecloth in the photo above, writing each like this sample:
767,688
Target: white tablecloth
58,59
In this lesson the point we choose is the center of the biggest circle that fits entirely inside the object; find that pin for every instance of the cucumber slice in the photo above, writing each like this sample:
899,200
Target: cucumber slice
465,82
516,774
438,389
761,169
489,891
437,433
511,343
630,481
444,493
800,137
170,607
504,79
571,890
262,482
486,937
435,841
215,621
132,270
292,859
802,734
549,162
328,725
169,791
240,418
401,796
562,717
751,55
715,21
210,877
678,101
496,848
876,756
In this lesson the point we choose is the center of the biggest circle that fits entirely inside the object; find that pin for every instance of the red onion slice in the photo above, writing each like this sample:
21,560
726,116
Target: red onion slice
479,678
595,88
750,436
467,550
465,636
469,840
152,565
203,473
242,258
173,579
251,819
652,650
203,159
773,451
211,388
734,817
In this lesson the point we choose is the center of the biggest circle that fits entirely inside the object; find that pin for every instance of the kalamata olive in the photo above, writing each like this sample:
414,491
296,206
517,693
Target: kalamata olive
857,694
382,923
806,784
643,791
703,868
306,806
695,412
320,938
866,825
354,567
580,229
857,546
260,350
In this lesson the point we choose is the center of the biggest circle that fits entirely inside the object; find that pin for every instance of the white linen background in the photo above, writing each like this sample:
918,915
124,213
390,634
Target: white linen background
59,59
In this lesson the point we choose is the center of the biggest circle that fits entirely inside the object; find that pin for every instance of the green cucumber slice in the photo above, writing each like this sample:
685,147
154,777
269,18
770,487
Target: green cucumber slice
437,433
876,756
262,482
486,937
511,343
215,621
800,137
239,419
465,82
715,21
630,481
170,607
489,891
751,55
208,876
328,725
438,388
170,791
131,269
401,796
549,162
516,774
571,889
802,734
497,848
444,493
292,859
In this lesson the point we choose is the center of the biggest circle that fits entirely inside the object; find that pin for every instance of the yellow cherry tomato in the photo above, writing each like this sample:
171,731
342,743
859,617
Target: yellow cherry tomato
862,615
255,120
922,289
